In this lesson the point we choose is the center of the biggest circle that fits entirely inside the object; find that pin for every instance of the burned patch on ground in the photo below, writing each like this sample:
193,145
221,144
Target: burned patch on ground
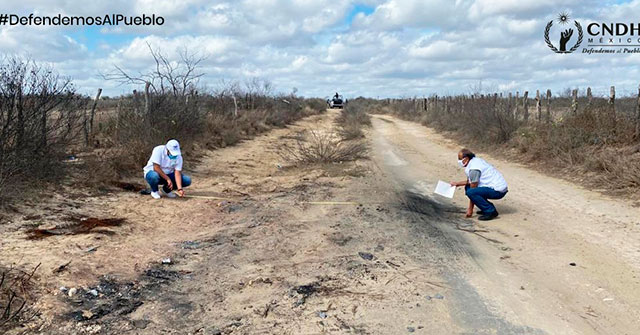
76,226
426,205
437,221
114,298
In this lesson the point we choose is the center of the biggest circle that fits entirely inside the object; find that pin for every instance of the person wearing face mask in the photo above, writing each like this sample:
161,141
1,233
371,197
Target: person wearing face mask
483,182
165,168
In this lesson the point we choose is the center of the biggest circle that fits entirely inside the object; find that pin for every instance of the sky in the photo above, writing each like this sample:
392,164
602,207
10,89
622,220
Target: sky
372,48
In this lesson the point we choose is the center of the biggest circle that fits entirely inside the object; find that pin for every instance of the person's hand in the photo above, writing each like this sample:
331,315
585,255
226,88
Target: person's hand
469,213
169,184
180,193
453,183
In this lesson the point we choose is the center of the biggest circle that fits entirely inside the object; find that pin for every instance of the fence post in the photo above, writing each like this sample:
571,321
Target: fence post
538,105
435,103
574,101
509,110
146,100
589,96
516,111
446,105
235,105
548,106
612,108
93,114
525,105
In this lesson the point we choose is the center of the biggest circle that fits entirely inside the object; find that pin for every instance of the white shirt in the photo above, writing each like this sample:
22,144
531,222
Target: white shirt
489,176
159,156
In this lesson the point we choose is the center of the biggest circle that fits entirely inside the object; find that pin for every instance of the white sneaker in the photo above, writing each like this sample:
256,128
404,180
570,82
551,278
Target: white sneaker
170,194
155,195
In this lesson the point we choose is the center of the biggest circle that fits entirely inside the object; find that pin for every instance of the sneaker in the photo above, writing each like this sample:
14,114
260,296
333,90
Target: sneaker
488,217
155,195
169,194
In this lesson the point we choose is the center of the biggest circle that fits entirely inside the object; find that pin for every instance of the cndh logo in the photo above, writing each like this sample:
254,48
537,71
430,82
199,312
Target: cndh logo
565,36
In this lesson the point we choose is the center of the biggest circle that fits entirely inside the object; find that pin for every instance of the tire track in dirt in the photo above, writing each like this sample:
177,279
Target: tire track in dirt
440,238
520,266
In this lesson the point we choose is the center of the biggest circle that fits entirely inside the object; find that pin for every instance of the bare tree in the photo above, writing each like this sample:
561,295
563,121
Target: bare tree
179,78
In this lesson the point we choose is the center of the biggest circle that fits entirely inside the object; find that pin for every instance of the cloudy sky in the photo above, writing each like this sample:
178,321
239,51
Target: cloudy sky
388,48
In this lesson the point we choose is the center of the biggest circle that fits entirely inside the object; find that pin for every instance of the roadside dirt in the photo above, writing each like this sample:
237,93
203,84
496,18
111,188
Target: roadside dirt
361,247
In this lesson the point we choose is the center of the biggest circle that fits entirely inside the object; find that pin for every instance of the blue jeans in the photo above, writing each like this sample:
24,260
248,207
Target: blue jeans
154,179
479,196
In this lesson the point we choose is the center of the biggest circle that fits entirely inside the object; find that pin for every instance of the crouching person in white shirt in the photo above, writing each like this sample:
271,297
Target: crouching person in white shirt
165,168
483,182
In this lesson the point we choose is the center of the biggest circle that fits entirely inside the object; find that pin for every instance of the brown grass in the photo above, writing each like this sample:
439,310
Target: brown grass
322,147
352,119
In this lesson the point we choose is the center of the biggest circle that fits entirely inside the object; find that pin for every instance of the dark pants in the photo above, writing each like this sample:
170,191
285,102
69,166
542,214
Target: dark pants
153,178
479,196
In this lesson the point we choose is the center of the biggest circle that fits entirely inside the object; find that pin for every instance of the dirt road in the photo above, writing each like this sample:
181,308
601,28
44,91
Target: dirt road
517,268
360,247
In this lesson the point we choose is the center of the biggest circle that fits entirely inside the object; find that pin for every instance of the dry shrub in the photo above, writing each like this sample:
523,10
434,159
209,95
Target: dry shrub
316,104
41,118
17,296
322,147
351,121
617,167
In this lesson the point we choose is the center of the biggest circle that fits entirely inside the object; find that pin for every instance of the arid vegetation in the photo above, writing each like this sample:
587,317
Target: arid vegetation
40,117
343,144
48,130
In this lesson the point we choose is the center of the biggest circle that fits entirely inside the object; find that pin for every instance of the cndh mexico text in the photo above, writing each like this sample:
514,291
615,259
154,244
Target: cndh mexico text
613,33
613,29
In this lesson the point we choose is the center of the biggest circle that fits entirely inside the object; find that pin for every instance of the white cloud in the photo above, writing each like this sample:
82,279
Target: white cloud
402,48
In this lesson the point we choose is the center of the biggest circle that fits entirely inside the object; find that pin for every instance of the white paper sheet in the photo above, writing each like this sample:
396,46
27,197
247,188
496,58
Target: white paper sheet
444,189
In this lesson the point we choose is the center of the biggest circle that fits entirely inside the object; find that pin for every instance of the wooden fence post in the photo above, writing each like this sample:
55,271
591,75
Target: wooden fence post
612,101
574,101
525,105
446,105
516,111
589,96
93,113
548,106
435,103
612,109
235,105
146,101
509,110
538,105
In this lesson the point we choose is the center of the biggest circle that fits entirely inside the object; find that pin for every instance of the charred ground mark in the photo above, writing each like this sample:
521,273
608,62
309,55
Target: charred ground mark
112,299
439,223
75,226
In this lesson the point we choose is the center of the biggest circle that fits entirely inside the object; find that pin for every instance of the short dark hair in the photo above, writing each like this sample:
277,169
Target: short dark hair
467,153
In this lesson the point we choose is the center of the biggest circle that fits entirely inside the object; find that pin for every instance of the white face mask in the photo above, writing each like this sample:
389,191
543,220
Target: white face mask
461,163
